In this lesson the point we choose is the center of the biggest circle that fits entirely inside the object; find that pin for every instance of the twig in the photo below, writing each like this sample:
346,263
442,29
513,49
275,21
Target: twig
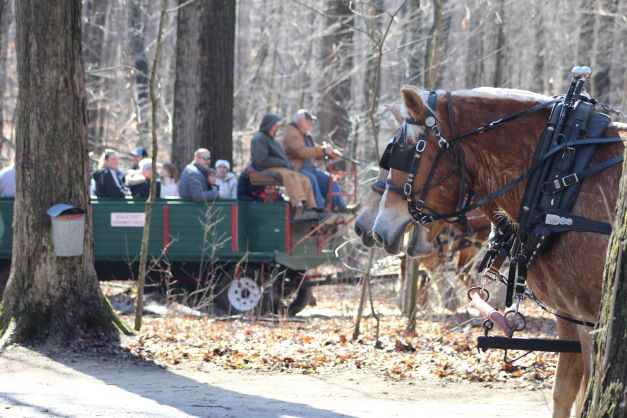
153,183
362,299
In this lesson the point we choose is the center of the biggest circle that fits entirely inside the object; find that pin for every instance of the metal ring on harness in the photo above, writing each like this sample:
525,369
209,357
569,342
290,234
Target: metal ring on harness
516,320
483,293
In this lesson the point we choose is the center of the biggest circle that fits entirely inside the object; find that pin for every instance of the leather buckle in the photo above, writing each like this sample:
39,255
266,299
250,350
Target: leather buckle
420,146
570,179
407,189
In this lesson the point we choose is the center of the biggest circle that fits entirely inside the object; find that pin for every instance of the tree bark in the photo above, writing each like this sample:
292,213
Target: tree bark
93,47
539,58
603,49
607,388
137,26
203,91
500,46
49,298
337,59
432,57
416,53
585,40
4,6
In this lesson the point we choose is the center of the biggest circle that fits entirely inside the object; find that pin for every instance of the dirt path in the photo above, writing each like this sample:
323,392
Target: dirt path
33,384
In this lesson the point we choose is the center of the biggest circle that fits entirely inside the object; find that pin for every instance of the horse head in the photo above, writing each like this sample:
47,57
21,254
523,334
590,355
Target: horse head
418,244
439,182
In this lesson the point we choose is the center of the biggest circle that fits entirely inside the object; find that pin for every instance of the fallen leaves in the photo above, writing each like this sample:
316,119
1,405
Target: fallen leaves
439,348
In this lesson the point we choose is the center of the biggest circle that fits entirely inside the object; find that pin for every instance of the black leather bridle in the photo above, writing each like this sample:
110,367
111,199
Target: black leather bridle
401,156
405,157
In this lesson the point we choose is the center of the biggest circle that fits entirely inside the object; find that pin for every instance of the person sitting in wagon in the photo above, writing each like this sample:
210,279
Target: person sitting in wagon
226,180
108,179
304,154
268,155
194,184
139,184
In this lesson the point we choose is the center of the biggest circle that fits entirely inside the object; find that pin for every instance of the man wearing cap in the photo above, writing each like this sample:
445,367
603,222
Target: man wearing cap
194,182
268,155
304,153
136,156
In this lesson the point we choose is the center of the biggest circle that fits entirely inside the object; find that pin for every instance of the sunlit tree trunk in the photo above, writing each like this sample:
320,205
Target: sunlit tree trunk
607,389
50,298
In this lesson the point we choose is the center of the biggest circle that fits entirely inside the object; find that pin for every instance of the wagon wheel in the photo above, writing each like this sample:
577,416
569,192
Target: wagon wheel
235,297
300,301
291,296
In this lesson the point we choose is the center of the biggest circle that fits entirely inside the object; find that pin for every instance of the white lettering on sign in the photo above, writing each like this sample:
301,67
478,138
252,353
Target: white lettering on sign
128,219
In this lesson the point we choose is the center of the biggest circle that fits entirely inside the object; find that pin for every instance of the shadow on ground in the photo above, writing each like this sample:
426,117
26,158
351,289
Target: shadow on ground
71,384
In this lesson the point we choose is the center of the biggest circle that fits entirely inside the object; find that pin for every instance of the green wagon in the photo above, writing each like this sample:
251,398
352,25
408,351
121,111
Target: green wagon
247,251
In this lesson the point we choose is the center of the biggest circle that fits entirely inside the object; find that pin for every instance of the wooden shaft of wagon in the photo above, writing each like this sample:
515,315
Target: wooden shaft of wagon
488,312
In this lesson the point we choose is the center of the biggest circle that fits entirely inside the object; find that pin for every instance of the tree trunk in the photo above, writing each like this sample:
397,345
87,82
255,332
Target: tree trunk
4,6
137,26
54,299
373,26
500,46
436,43
607,389
337,60
203,91
585,40
603,50
416,53
474,50
539,58
93,47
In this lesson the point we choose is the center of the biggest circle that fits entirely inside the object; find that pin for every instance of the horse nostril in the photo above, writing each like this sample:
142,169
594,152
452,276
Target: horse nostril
377,237
357,230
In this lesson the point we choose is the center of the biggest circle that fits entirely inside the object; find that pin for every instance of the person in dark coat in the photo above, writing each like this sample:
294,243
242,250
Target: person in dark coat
194,182
268,155
108,180
142,188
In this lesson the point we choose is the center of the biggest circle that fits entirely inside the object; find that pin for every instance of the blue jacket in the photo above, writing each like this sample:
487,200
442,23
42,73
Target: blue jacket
194,184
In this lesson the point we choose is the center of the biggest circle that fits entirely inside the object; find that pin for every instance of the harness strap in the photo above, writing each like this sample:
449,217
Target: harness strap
378,186
560,221
558,184
421,145
514,183
509,118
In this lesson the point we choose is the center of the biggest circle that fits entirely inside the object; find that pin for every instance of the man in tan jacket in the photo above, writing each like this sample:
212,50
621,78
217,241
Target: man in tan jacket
304,154
267,155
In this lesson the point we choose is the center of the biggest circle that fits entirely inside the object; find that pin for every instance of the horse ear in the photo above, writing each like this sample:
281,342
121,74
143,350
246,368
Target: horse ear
413,101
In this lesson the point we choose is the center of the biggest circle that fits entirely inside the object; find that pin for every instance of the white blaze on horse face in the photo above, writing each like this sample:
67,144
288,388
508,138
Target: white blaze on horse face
391,222
365,220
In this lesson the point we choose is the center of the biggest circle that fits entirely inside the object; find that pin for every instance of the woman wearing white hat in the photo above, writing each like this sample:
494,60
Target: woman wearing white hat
226,180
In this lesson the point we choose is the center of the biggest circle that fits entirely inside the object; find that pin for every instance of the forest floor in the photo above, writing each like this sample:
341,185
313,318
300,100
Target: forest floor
181,365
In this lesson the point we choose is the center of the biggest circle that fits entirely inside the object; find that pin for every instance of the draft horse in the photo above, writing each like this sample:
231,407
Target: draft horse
567,276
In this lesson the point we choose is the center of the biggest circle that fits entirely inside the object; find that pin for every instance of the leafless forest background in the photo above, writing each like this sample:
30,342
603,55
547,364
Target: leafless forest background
323,55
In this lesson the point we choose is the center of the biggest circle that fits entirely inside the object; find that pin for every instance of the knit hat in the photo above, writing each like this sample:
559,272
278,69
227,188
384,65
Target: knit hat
224,163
